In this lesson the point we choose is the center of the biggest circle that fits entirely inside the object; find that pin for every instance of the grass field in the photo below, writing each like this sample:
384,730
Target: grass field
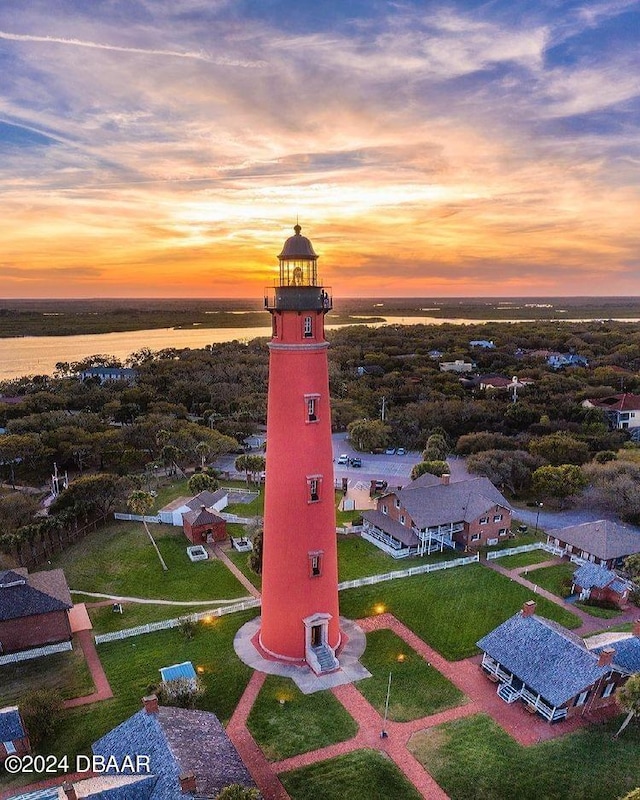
474,759
361,775
132,667
66,672
286,722
451,609
119,559
417,689
523,559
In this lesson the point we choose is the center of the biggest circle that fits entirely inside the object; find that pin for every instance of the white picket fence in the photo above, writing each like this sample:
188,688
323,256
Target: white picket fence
152,627
137,518
407,573
37,652
525,548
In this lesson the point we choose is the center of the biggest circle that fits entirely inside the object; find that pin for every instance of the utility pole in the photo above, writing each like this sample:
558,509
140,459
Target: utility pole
383,732
384,408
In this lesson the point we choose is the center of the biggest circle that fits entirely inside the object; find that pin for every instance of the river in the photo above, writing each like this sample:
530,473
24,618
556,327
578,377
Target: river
38,355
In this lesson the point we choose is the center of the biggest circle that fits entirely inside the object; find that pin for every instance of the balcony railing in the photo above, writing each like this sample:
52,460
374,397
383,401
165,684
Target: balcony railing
298,298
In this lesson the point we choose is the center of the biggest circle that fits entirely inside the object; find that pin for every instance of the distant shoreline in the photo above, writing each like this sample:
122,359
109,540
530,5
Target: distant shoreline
20,318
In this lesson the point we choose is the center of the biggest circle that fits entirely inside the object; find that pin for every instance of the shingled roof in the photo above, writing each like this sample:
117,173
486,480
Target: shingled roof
627,654
604,539
206,499
178,741
392,527
590,576
201,516
547,657
23,595
432,503
11,727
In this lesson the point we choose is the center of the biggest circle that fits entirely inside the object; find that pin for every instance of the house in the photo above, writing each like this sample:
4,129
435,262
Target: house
561,360
497,382
13,735
189,751
483,343
595,582
456,366
627,648
160,753
214,501
549,668
202,525
602,542
621,410
33,609
431,513
370,369
104,374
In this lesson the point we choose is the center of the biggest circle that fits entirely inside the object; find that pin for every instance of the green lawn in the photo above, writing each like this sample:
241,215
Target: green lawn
451,609
361,775
240,560
417,689
524,559
119,559
132,667
133,614
475,759
66,672
286,722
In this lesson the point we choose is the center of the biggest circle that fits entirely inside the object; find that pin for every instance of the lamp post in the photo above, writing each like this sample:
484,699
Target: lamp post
538,516
383,732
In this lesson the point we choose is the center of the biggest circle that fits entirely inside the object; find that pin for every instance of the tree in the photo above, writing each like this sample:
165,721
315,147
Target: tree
632,566
203,449
479,442
201,482
237,792
433,467
250,465
16,509
139,502
100,493
558,482
509,468
614,486
368,435
436,449
560,448
629,700
255,556
180,692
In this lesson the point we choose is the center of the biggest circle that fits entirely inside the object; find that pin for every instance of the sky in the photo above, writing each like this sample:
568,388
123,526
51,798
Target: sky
165,148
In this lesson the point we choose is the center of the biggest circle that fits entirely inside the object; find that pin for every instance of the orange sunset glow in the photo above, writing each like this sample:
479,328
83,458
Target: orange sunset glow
166,150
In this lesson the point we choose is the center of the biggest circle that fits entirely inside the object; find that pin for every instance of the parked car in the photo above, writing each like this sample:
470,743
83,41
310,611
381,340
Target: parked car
390,451
400,451
356,462
343,459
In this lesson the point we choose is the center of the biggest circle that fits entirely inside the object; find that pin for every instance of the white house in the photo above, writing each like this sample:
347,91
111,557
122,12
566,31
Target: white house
172,513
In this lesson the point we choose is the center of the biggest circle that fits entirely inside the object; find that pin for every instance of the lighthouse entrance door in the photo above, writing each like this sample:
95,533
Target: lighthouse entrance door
316,635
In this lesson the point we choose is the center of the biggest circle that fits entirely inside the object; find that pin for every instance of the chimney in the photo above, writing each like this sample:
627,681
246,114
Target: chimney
69,791
605,656
444,479
636,628
187,783
529,608
150,704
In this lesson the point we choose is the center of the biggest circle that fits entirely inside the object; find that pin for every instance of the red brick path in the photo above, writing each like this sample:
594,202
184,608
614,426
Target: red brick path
103,689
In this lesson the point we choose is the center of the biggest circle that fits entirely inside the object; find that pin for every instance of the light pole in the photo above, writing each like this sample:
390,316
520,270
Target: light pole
538,516
383,732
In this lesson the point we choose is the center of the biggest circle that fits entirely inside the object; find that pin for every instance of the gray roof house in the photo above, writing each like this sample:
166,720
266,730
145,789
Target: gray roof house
13,736
215,501
431,512
549,668
189,750
102,787
602,542
594,580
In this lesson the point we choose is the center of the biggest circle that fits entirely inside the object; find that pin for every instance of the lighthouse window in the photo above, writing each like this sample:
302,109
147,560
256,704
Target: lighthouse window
311,405
314,489
308,327
315,565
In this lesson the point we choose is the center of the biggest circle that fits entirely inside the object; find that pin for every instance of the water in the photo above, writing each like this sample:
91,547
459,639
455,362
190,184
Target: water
38,355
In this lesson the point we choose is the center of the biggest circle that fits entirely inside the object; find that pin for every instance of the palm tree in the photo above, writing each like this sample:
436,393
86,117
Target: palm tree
139,502
629,700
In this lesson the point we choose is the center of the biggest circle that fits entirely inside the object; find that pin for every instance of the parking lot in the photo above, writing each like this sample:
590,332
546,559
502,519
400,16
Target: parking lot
394,469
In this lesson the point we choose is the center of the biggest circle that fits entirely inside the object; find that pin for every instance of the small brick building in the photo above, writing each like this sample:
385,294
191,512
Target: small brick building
13,735
33,609
202,525
595,582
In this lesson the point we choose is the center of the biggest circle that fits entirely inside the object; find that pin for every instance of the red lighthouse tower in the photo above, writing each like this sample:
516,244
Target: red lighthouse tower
300,621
